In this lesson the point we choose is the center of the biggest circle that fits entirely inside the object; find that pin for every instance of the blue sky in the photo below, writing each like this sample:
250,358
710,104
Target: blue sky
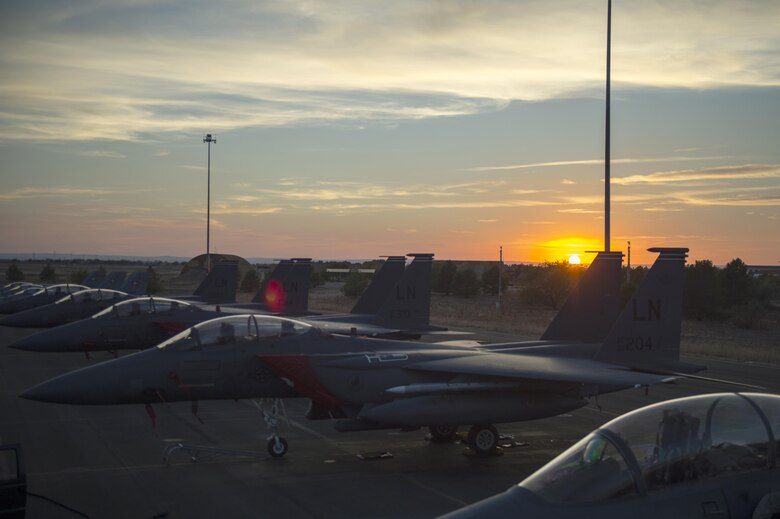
361,129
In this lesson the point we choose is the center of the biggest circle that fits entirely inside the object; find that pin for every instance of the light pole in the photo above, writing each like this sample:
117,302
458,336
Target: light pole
606,145
208,139
500,265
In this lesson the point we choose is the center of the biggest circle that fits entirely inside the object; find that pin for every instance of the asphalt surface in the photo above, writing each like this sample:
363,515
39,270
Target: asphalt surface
107,461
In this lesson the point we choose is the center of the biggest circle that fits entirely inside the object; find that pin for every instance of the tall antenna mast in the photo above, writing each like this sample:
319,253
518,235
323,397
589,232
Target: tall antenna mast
606,143
208,139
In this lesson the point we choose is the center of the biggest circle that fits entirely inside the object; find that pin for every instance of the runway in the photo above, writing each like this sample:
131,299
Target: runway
106,461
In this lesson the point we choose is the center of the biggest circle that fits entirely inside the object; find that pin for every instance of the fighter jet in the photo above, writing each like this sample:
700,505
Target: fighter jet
404,311
378,383
391,385
16,288
73,307
32,297
141,323
85,303
701,456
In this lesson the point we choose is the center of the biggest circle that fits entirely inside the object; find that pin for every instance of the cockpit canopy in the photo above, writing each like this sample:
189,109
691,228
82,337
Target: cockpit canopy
143,306
233,329
63,289
665,444
93,294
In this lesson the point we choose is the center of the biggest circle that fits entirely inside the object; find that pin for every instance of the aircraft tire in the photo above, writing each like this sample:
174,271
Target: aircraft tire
443,433
483,439
277,450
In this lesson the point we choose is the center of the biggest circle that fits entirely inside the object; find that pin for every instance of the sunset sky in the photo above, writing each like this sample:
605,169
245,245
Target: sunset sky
357,129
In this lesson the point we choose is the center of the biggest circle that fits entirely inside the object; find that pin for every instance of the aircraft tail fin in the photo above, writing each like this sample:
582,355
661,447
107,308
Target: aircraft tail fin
278,273
135,283
381,286
409,304
220,284
593,305
647,332
94,278
113,280
286,291
296,287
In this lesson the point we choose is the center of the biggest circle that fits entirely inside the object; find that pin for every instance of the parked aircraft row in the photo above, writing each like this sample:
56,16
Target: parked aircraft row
354,370
369,383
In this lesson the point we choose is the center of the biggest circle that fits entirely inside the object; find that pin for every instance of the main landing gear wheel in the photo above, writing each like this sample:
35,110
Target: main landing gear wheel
483,439
443,433
277,447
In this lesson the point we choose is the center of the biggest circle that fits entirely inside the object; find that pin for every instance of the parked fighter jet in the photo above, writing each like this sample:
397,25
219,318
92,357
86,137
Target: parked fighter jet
80,305
702,456
142,323
378,383
31,298
73,307
384,385
16,288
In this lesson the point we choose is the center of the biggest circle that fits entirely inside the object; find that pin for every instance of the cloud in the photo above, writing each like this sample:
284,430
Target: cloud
102,154
715,173
578,210
117,71
591,162
567,182
54,192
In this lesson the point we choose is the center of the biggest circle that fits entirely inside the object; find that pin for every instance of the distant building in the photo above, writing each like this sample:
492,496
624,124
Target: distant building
758,270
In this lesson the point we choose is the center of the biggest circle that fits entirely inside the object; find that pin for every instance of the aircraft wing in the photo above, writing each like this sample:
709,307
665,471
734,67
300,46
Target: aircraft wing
531,367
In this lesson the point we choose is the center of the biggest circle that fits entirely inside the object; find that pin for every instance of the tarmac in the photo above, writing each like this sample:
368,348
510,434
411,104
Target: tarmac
108,461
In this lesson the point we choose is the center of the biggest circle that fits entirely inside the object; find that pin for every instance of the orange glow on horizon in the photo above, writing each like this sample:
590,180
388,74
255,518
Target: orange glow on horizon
564,249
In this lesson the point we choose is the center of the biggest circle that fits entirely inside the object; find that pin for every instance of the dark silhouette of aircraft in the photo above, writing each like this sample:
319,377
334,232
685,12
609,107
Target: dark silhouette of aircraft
378,383
138,323
31,297
73,307
85,303
696,457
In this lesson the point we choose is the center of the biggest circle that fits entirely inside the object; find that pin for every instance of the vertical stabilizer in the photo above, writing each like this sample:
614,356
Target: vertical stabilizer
220,284
593,305
647,332
94,278
409,304
113,280
135,283
286,291
278,273
381,287
296,287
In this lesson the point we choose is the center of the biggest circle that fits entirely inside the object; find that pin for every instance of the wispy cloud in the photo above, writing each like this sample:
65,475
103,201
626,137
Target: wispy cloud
590,162
108,154
715,173
55,192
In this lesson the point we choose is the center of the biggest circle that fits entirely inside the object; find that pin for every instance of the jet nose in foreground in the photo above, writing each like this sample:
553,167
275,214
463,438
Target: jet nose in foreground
116,381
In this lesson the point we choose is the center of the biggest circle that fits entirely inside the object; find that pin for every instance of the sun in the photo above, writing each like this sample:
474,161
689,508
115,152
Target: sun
574,259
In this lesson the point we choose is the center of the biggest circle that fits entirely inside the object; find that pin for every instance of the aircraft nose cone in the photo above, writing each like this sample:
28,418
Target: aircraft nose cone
87,386
65,389
42,341
118,381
